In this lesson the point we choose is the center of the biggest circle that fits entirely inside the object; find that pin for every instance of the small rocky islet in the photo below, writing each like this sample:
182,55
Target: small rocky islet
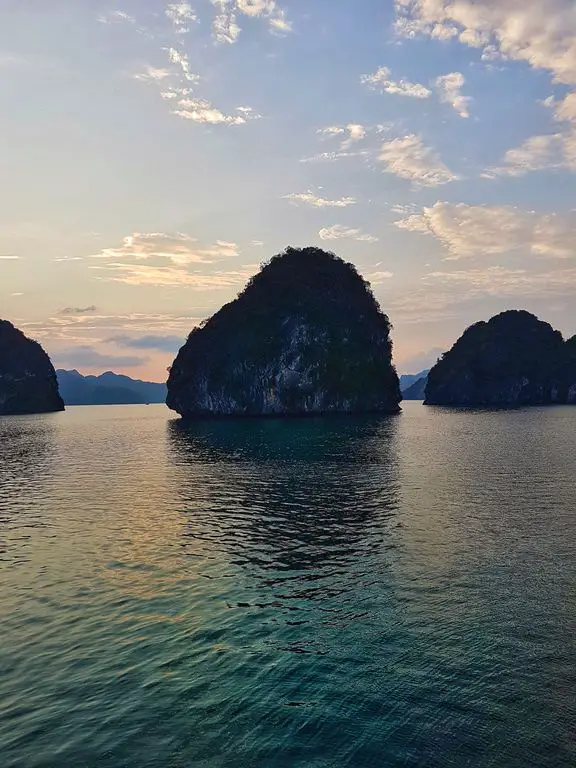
27,377
305,337
513,359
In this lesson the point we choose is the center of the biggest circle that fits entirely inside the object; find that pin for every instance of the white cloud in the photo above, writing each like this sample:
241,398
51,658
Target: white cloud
409,158
181,14
153,74
225,28
375,278
331,156
472,230
8,257
116,17
449,92
179,249
338,232
181,59
539,32
380,80
309,198
535,154
565,109
153,276
202,111
500,281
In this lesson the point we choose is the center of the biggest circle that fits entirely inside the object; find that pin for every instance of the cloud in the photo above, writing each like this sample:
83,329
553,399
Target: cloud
116,17
500,281
331,156
449,92
409,158
8,257
78,310
181,60
421,361
338,232
541,33
379,277
172,277
225,28
153,74
319,202
471,230
166,343
181,14
86,356
380,80
536,154
179,249
202,111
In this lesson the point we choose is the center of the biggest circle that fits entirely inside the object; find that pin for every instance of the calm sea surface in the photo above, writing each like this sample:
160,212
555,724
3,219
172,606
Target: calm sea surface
345,592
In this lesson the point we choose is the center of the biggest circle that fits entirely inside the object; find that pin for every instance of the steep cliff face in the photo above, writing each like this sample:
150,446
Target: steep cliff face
27,377
569,371
513,359
306,336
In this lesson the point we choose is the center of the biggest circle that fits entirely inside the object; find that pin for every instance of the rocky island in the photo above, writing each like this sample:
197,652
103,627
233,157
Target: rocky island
27,377
306,336
513,359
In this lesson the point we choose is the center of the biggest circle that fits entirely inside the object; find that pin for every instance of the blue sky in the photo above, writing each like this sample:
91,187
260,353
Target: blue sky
153,154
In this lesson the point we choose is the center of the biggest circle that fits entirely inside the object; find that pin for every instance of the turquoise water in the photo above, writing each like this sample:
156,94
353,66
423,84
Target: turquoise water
394,591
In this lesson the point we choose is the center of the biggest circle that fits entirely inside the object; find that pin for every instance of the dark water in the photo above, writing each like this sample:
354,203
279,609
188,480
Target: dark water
377,592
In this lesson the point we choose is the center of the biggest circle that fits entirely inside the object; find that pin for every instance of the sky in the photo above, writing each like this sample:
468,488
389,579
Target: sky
153,154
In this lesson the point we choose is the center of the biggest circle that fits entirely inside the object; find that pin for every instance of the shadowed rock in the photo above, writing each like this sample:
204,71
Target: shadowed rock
306,336
27,377
513,359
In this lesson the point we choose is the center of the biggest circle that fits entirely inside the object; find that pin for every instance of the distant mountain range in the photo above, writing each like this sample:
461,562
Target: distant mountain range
407,380
107,389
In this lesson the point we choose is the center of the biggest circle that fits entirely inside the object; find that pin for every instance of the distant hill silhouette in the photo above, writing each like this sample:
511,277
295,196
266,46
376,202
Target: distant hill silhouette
513,359
417,390
27,377
306,336
107,389
408,379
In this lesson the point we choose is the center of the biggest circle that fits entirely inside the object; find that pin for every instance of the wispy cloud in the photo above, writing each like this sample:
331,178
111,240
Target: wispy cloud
449,89
179,249
309,198
380,81
116,17
181,15
536,154
339,232
475,230
165,343
225,27
181,60
202,111
153,74
144,275
409,158
78,310
87,356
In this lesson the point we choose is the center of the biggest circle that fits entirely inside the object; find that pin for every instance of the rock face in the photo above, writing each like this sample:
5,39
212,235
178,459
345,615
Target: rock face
513,359
27,377
306,336
568,375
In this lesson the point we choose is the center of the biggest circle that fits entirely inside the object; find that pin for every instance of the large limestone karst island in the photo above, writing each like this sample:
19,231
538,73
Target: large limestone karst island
513,359
306,336
27,377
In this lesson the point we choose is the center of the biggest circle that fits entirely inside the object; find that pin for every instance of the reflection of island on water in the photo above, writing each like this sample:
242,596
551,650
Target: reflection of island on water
308,504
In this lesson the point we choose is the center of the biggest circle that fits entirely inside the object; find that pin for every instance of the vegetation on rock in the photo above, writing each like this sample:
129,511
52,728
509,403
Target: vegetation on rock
305,336
27,377
513,359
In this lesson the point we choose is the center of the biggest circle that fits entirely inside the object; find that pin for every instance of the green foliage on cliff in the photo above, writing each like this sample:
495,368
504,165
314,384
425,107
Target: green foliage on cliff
512,359
305,335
